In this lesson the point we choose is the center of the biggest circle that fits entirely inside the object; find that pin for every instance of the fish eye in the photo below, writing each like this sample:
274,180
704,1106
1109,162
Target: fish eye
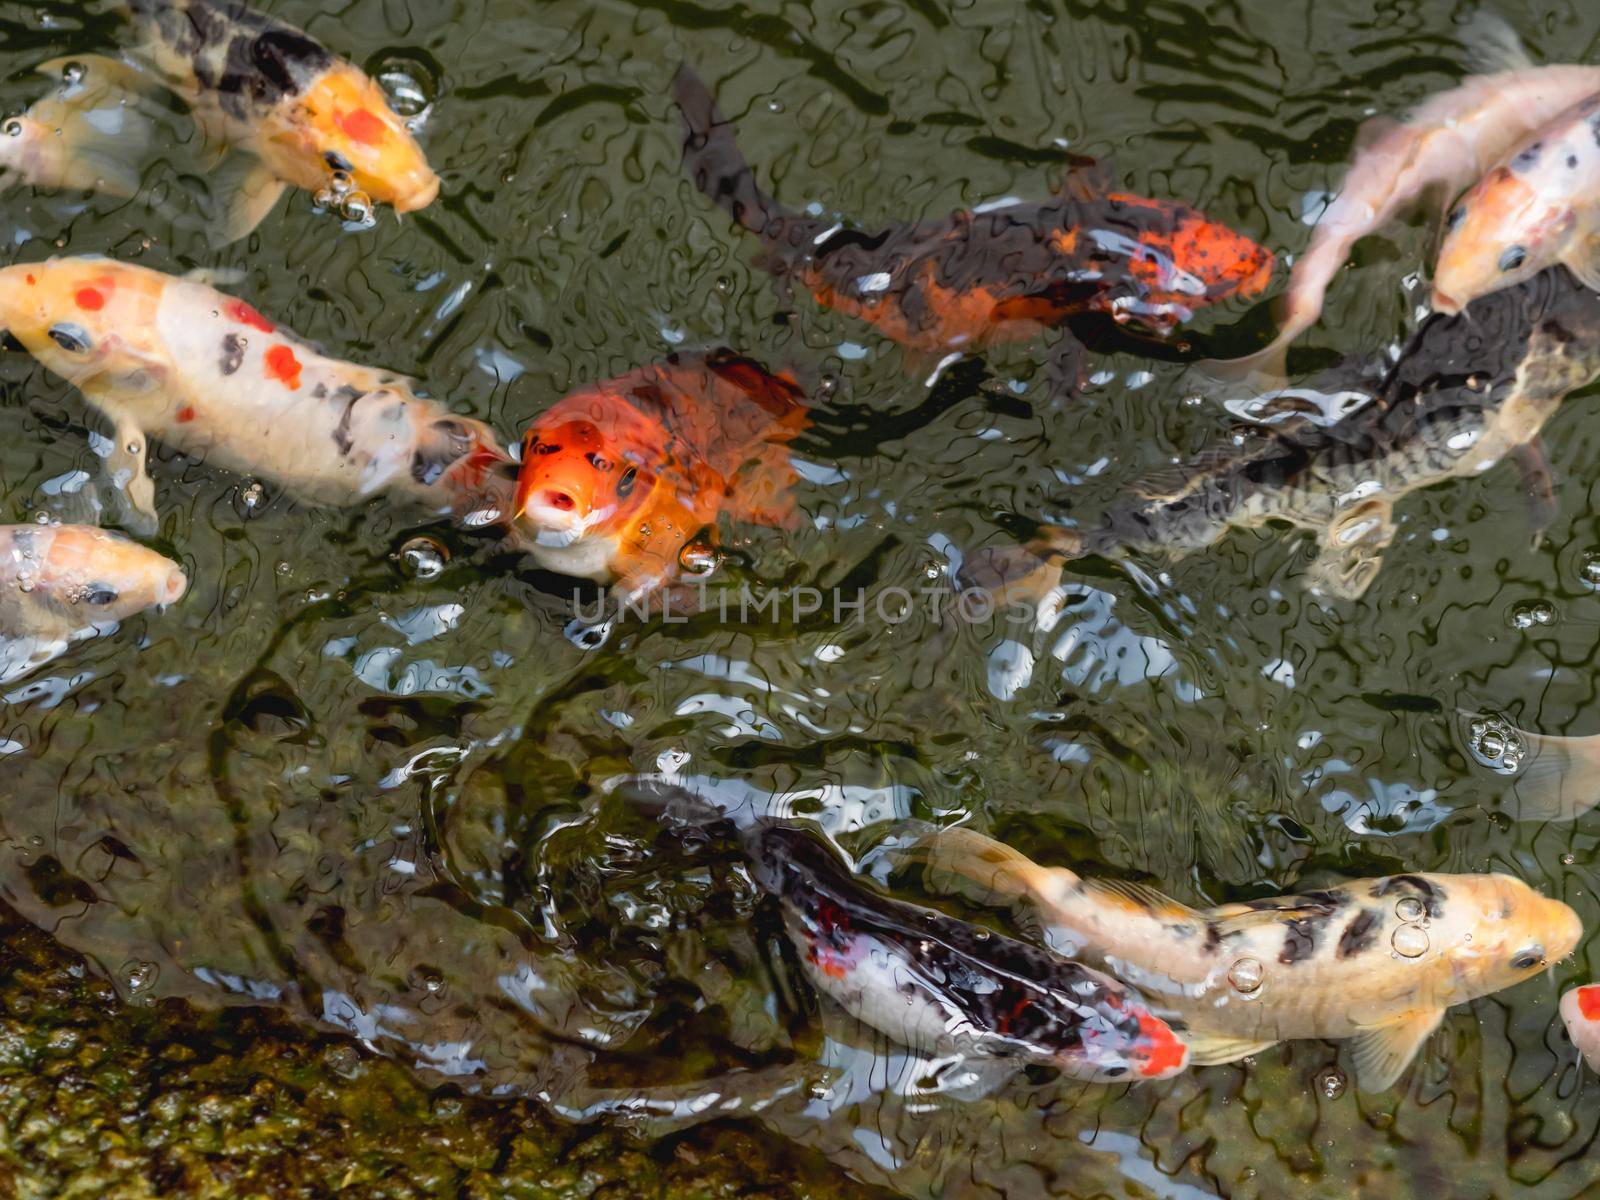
100,595
72,338
625,484
1528,959
12,128
1513,258
597,462
545,447
337,161
1456,218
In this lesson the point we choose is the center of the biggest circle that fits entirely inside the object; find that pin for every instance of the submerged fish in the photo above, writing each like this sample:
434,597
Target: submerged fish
1445,144
935,984
1467,391
618,478
1556,778
304,116
1377,961
87,134
998,273
177,360
62,583
1580,1012
1539,206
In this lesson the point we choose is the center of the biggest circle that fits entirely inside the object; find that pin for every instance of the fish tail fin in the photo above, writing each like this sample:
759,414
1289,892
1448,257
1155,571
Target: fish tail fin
1558,778
712,156
102,120
989,872
1494,46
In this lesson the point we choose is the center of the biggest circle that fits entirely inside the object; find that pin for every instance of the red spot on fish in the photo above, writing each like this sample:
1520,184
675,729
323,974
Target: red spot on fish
186,414
362,126
32,281
241,312
1589,1002
830,962
283,366
90,300
1164,1053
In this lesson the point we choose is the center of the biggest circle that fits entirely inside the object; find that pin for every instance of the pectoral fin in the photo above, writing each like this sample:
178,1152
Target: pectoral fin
1214,1049
126,467
1583,260
1538,482
1352,550
1382,1052
1558,778
255,194
996,872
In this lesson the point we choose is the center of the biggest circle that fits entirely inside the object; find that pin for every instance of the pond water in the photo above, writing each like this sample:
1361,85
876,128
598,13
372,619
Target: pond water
373,796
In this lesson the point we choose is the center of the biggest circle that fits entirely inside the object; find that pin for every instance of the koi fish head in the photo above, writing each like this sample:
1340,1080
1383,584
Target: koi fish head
1507,229
73,577
1494,931
1139,1045
576,484
25,147
84,317
343,122
1188,261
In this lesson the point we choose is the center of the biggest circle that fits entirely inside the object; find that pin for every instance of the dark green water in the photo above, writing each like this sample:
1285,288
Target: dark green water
373,800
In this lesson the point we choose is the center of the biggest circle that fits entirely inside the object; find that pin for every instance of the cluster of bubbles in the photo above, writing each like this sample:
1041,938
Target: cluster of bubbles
1496,744
341,195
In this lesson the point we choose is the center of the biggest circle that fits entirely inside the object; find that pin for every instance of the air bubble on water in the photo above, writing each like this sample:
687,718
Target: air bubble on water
358,210
423,558
25,583
254,496
1531,614
285,567
1589,569
1246,976
698,557
1496,744
1410,941
1409,909
724,284
1332,1083
775,105
73,73
410,86
1568,859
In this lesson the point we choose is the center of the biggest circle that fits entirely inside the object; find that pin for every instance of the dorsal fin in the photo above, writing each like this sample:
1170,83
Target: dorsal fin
1141,896
1493,46
1087,179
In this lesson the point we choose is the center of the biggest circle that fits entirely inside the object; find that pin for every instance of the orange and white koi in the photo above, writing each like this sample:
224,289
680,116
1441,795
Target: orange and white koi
1377,961
204,372
618,478
1580,1012
1536,208
309,118
62,583
1445,144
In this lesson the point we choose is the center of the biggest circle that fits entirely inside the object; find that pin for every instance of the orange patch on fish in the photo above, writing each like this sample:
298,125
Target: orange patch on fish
283,366
32,281
362,126
186,414
1166,1053
90,299
1589,1002
238,310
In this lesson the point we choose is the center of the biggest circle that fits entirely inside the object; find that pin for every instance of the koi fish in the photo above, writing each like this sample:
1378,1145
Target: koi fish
932,983
62,583
618,478
85,135
998,273
1580,1012
1468,391
1445,144
306,117
1376,961
1533,210
1556,778
204,372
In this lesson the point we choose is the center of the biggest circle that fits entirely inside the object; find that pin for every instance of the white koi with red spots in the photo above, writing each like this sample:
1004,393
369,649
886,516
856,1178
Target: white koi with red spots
1445,144
204,372
1580,1012
1538,207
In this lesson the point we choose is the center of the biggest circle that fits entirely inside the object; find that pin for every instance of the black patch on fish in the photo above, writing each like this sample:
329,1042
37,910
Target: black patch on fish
1213,943
1299,939
1432,897
1572,162
341,432
1361,933
320,392
1528,157
232,354
74,339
